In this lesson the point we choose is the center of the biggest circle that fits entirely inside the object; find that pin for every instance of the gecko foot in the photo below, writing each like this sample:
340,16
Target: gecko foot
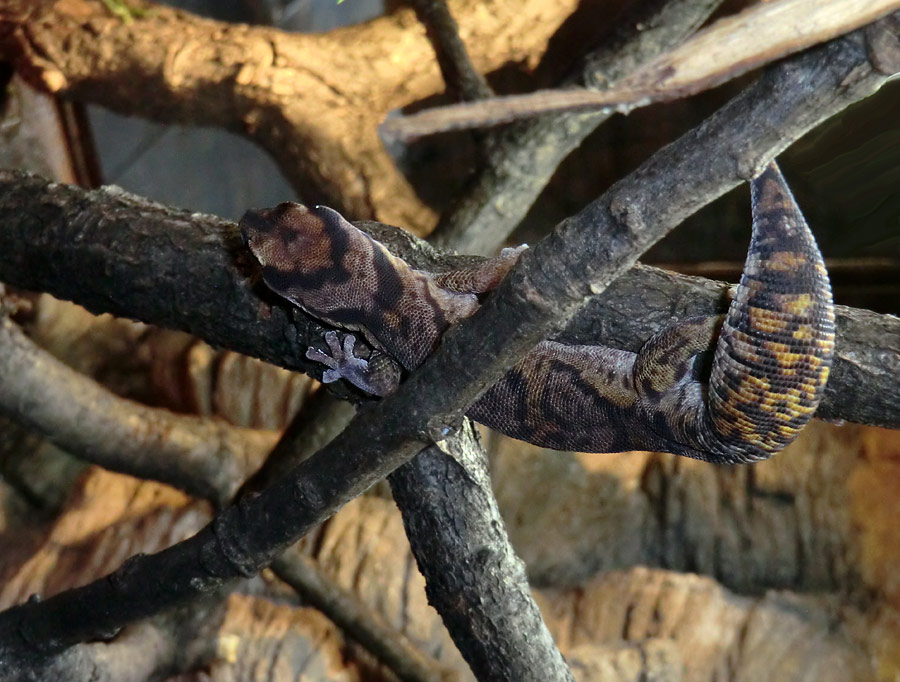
379,375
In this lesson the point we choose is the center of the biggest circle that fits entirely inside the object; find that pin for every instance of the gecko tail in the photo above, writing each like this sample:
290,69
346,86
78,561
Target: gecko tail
774,353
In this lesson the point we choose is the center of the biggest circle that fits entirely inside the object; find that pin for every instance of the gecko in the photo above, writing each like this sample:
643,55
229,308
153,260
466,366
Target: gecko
771,351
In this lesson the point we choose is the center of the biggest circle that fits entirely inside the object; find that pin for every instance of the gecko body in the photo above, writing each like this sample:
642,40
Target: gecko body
771,353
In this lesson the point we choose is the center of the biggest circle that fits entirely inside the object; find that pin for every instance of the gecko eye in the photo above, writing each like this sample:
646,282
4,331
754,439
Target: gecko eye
329,215
286,208
253,222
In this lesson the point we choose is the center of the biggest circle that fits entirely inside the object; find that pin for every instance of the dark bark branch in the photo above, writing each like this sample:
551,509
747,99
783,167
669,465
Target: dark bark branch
460,76
176,270
204,457
520,164
358,621
473,577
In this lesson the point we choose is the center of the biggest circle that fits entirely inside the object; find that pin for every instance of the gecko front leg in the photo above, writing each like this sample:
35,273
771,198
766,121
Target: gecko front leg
379,375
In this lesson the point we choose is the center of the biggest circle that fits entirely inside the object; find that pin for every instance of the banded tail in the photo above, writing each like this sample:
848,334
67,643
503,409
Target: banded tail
775,349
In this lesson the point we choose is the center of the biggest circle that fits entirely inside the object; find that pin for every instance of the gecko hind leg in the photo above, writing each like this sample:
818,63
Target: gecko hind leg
668,357
379,375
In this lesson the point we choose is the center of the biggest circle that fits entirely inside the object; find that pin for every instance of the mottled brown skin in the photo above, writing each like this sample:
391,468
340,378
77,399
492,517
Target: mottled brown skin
772,353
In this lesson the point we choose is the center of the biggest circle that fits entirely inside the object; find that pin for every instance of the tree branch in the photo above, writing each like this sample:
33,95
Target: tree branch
729,48
474,578
357,620
459,75
143,248
204,457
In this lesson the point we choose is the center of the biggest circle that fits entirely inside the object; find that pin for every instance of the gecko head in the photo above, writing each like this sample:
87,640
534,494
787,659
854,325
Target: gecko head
300,250
288,237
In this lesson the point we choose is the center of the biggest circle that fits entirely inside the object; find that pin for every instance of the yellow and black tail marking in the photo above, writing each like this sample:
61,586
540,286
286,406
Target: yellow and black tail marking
775,349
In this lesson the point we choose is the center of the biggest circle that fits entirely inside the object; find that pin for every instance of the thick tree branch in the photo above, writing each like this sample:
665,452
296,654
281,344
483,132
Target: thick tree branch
548,285
474,578
187,272
313,101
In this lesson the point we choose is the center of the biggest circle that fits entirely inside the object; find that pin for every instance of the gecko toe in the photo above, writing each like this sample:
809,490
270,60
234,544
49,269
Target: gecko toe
329,376
334,344
349,345
316,355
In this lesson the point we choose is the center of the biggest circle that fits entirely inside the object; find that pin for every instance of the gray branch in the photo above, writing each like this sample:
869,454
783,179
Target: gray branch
203,456
460,75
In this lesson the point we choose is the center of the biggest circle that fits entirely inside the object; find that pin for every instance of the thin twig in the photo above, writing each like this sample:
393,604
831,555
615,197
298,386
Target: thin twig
728,49
459,74
360,622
